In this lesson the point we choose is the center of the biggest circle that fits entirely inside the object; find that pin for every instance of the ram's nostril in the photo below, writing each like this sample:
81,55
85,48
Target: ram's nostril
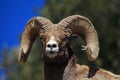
54,45
49,45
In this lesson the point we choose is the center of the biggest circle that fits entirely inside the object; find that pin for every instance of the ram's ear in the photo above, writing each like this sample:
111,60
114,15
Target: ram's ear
73,38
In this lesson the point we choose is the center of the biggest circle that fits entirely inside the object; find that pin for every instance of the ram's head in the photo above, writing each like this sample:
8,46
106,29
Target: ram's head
56,38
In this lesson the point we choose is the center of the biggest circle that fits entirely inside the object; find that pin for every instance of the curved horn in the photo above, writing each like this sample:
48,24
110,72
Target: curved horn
30,33
82,26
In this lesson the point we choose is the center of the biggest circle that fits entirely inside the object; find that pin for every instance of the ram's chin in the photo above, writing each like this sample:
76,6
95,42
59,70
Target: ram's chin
52,55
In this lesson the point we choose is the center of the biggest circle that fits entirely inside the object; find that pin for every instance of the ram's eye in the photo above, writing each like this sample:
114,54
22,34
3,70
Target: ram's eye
66,38
42,38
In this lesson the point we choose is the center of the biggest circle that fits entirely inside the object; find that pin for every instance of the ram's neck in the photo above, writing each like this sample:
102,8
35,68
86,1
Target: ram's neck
54,71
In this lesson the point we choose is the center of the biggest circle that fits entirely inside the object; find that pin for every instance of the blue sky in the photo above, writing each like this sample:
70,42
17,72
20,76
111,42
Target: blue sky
13,16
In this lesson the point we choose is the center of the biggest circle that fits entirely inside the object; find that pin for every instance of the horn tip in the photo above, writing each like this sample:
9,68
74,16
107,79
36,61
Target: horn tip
22,58
91,51
21,61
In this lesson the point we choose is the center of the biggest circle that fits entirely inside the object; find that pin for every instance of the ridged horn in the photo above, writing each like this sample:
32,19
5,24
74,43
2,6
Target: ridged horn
30,33
82,26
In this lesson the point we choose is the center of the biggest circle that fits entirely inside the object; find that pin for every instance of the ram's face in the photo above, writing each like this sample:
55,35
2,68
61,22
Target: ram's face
54,41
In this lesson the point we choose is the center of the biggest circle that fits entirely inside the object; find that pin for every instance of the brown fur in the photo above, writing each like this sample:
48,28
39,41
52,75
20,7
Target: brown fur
75,71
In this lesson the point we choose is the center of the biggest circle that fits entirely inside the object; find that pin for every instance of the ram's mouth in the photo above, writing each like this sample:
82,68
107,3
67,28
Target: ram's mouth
51,54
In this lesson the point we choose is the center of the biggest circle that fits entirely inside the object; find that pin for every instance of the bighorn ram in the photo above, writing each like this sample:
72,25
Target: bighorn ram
59,59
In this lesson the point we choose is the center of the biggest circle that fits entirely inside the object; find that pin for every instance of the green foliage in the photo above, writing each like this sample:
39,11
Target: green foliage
105,16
